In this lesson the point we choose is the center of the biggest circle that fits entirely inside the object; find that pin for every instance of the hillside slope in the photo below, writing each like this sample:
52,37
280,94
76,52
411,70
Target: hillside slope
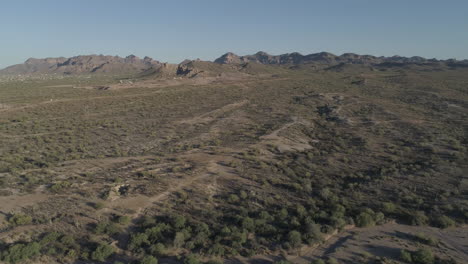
327,58
228,63
83,65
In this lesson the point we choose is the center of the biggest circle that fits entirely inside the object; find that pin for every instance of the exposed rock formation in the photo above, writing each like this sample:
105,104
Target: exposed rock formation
326,58
83,65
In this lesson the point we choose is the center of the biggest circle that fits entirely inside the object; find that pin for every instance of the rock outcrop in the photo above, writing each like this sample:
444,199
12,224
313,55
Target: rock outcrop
83,65
228,63
296,58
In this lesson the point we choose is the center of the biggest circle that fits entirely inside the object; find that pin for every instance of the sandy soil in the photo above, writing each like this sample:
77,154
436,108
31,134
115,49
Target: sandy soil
387,241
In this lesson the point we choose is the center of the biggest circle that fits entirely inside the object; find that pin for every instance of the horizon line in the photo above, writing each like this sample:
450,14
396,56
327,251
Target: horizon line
230,52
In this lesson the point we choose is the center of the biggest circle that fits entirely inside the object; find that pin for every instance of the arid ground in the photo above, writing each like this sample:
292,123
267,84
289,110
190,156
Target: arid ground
346,164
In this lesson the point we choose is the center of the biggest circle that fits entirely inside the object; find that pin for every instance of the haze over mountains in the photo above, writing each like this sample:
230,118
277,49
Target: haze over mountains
88,64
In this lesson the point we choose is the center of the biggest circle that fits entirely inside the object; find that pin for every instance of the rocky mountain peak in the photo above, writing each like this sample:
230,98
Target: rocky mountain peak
321,58
82,64
262,53
228,58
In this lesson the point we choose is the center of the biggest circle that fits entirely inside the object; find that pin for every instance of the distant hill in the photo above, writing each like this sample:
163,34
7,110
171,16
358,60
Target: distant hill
83,65
189,69
199,68
327,58
228,63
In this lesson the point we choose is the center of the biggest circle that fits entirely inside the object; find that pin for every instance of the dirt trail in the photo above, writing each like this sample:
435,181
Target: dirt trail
142,84
14,202
213,170
450,238
286,143
212,115
329,239
58,86
54,101
142,202
386,241
274,135
135,85
34,135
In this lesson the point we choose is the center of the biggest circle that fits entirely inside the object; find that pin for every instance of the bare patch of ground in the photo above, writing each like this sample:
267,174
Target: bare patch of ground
212,169
176,81
357,244
212,115
59,86
15,202
284,140
4,106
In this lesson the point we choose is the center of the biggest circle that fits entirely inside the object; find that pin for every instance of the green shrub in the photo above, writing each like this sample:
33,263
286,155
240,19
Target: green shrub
248,223
405,256
149,260
124,220
418,218
443,221
98,205
179,240
388,207
214,261
108,228
21,252
137,241
232,198
423,256
102,252
49,238
379,218
179,222
313,233
191,259
318,261
157,249
282,262
59,186
217,250
68,240
365,219
243,195
294,238
428,240
20,219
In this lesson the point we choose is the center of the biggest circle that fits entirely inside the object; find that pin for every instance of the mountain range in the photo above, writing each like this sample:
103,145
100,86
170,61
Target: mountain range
83,65
89,64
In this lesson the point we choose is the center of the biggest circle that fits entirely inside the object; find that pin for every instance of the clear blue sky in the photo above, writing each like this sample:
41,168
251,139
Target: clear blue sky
174,30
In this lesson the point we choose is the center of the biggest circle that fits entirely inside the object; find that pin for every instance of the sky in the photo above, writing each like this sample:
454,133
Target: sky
171,31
